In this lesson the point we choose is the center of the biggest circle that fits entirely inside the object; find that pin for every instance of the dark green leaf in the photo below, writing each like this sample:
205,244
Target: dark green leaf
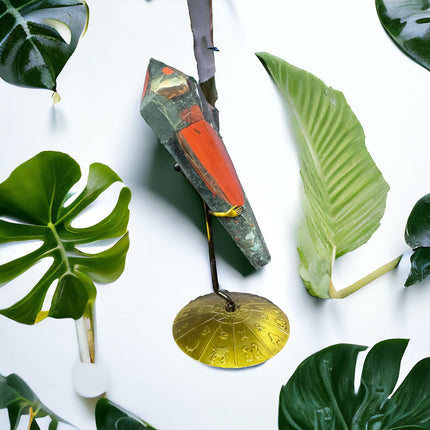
417,236
34,196
32,49
407,22
379,377
34,426
410,404
129,424
417,233
18,398
53,425
320,394
420,266
110,416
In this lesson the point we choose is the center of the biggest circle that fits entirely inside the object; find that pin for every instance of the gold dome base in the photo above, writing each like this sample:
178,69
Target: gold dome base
256,331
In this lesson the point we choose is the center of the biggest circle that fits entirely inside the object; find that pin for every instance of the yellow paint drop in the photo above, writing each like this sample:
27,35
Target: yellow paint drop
56,97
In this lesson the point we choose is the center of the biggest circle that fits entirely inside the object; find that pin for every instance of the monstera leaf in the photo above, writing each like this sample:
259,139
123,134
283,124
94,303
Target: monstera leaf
344,192
320,395
110,416
407,22
417,236
33,206
37,38
19,399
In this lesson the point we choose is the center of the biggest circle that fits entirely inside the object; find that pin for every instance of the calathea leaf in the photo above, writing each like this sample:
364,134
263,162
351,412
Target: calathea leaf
110,416
37,38
19,399
320,394
417,236
407,22
344,191
34,197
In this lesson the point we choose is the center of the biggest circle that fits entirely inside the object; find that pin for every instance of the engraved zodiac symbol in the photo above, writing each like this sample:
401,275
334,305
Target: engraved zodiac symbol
219,353
191,349
255,351
242,334
276,340
224,335
259,327
252,354
248,354
281,322
205,331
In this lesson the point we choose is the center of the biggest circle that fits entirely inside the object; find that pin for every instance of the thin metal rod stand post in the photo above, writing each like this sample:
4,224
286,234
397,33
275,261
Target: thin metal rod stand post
230,306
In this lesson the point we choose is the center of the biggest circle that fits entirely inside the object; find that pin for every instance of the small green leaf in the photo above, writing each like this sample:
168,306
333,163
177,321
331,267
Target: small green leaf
344,191
417,232
18,398
420,266
110,416
407,22
320,394
34,196
417,236
37,38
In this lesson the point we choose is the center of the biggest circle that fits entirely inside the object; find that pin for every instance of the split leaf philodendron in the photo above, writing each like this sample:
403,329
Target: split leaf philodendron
19,399
417,236
344,191
320,395
37,38
407,22
34,206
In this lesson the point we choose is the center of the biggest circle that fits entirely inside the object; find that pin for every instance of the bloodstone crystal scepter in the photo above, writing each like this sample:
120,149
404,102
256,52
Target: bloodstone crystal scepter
175,108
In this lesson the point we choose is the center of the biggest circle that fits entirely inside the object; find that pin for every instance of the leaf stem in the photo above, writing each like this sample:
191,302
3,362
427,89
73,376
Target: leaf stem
345,292
60,246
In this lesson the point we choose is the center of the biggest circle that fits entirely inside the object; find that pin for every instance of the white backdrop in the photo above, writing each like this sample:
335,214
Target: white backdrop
341,42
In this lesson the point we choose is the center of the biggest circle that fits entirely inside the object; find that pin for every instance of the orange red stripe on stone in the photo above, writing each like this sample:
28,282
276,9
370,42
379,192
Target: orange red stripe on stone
206,152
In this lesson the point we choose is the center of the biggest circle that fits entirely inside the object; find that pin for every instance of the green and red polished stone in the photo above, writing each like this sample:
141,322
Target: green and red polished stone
175,108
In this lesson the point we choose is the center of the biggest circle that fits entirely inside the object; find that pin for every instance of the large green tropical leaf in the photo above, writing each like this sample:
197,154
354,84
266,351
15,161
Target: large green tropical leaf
110,416
344,192
19,399
320,395
37,37
417,236
33,206
407,22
